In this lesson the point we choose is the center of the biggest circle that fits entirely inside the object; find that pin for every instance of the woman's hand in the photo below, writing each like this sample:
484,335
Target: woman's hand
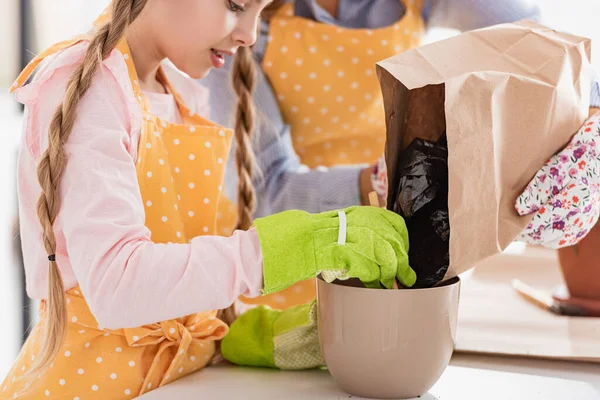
372,179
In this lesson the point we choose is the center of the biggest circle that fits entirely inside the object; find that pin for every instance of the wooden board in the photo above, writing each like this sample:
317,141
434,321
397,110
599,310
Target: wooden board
494,319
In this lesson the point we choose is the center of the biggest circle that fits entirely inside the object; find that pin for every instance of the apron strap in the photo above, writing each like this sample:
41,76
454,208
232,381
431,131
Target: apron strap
183,109
415,6
143,101
33,64
287,10
102,19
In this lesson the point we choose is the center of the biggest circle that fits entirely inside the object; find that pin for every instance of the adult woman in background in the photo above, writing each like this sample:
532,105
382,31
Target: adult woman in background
320,120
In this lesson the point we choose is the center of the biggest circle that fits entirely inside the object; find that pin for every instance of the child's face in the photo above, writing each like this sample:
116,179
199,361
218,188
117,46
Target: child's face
188,32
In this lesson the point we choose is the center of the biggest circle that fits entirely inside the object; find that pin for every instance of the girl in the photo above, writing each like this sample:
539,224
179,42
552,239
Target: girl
118,186
318,90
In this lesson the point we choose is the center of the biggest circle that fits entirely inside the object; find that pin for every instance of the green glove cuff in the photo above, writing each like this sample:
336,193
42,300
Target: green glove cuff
296,339
250,339
263,337
279,235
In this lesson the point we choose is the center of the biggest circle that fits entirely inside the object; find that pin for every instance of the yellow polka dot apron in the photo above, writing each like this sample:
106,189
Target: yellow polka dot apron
180,168
227,209
324,79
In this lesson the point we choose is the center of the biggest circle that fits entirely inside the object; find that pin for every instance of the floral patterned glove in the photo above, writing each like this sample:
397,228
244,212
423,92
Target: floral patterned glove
379,178
565,194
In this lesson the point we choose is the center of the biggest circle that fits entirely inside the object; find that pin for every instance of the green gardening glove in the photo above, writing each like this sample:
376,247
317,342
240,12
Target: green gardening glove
263,337
367,243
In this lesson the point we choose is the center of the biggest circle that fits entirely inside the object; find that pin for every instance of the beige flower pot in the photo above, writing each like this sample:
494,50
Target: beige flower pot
387,343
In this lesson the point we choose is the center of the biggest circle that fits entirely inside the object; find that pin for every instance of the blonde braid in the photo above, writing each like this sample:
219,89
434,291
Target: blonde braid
52,165
244,77
243,83
244,80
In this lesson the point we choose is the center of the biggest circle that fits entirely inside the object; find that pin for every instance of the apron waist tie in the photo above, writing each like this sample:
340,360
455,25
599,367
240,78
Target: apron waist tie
177,341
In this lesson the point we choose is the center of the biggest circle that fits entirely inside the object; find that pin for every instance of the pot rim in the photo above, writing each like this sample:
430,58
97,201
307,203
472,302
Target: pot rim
444,285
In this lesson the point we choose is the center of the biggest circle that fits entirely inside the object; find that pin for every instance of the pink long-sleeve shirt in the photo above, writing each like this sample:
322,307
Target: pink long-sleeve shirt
102,243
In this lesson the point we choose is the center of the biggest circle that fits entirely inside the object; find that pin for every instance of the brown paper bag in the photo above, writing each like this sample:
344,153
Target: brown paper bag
508,97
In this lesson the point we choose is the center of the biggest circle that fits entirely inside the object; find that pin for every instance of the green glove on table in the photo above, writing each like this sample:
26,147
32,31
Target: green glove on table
263,337
367,243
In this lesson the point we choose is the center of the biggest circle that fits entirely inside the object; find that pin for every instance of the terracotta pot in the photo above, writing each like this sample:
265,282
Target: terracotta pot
387,343
580,266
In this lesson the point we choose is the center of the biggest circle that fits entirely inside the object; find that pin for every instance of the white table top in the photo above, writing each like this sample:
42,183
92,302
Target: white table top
469,377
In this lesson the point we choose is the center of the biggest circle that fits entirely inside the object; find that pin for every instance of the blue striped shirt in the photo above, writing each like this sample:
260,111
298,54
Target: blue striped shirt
282,182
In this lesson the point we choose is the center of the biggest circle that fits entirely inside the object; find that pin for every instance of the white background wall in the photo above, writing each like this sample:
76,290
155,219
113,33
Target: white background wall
8,45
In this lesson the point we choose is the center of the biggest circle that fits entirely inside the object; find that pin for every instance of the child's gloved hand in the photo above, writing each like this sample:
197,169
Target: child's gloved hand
263,337
367,243
565,194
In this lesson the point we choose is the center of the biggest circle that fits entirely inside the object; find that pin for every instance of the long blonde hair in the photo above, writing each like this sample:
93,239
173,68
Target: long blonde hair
52,165
244,80
244,76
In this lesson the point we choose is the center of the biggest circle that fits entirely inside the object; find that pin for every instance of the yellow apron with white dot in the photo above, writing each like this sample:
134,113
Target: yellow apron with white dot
226,209
325,81
180,170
